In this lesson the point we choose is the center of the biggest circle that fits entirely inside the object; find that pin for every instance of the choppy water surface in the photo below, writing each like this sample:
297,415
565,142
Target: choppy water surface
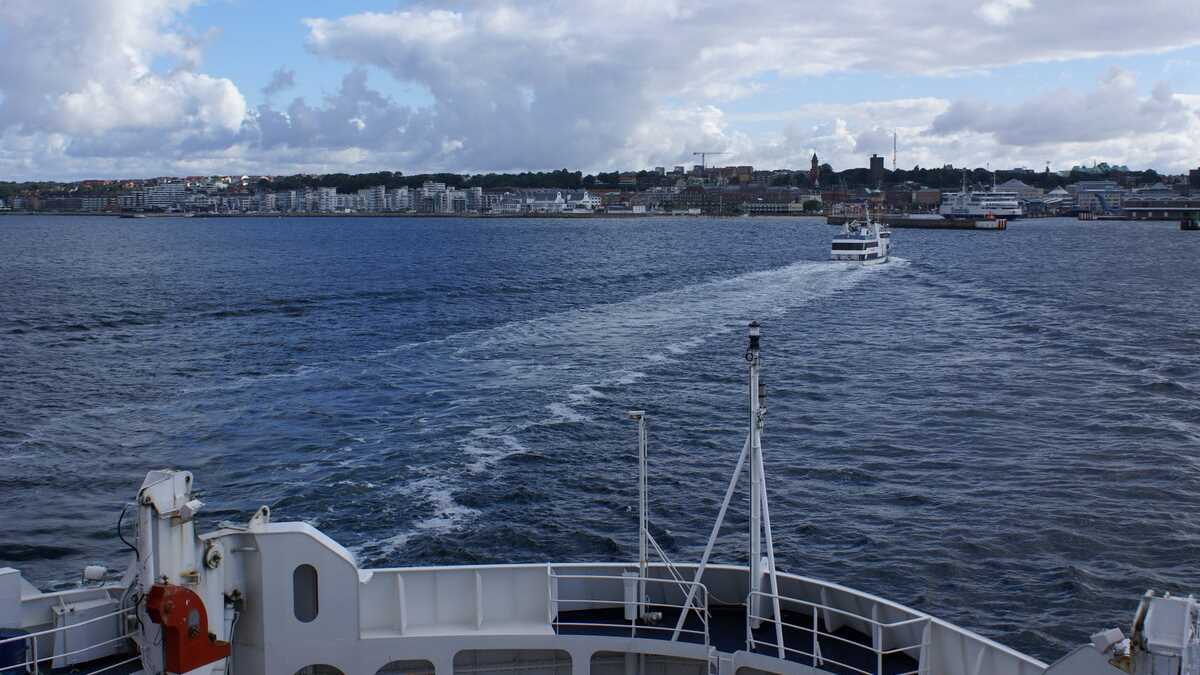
1002,429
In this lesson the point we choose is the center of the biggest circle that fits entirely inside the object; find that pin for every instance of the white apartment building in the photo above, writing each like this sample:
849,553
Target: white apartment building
132,201
399,199
327,199
165,195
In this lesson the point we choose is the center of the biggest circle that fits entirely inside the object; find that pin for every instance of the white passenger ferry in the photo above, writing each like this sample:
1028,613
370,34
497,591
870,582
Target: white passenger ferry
992,204
281,598
863,241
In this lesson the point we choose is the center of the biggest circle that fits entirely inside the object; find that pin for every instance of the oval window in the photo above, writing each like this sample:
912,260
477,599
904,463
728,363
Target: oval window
304,593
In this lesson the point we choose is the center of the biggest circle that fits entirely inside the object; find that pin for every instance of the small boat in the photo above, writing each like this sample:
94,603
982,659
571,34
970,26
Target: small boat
1189,224
863,241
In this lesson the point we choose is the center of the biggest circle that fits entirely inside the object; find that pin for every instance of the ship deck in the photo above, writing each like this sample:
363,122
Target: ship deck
727,632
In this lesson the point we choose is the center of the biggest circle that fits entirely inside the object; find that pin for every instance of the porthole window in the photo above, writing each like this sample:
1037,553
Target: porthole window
304,593
319,669
414,667
512,662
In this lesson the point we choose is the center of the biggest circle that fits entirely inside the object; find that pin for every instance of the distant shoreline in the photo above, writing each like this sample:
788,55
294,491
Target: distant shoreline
384,214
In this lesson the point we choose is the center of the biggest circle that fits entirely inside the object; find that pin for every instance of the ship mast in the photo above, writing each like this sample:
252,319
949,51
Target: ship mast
760,512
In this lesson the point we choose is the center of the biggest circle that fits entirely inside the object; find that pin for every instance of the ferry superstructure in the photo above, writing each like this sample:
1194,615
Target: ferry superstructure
281,598
862,241
991,204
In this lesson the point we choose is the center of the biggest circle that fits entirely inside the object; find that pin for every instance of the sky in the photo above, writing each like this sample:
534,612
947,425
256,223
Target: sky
143,88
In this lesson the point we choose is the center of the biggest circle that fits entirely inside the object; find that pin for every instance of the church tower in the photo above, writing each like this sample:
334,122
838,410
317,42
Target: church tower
814,174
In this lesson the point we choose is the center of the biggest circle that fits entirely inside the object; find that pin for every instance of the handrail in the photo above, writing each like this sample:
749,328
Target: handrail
66,628
817,605
819,658
839,638
73,652
875,647
700,606
33,639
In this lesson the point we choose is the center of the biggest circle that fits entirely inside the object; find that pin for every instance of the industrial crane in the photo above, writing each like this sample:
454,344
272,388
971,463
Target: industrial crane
704,156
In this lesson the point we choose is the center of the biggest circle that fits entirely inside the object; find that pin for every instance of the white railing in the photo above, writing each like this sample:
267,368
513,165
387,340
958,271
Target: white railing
813,628
634,627
30,664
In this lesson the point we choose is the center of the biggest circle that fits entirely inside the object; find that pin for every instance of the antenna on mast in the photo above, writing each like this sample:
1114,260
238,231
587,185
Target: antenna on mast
760,513
639,416
894,135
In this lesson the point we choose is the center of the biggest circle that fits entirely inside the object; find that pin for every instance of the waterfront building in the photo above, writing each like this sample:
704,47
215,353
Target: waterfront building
876,170
927,199
327,199
1097,195
132,201
285,201
1162,208
399,199
1021,188
166,195
1159,190
474,199
763,208
199,201
374,198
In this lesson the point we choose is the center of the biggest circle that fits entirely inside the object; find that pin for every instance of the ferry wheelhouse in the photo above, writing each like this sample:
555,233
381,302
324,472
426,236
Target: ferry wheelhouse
862,241
281,598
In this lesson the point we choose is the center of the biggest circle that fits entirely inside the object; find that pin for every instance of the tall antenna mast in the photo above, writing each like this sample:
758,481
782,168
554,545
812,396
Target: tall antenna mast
639,416
893,151
760,515
756,415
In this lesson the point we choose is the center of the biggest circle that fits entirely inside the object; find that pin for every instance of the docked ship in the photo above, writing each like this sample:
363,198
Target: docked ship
863,241
964,204
281,598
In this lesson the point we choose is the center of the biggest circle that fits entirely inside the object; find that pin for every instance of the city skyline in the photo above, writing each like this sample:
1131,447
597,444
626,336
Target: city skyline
125,88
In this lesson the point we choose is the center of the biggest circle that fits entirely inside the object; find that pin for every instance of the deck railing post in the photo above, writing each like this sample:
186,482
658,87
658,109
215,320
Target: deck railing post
923,655
816,631
877,639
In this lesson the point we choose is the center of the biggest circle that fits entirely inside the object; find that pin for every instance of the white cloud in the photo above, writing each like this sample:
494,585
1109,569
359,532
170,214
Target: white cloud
1000,12
86,68
592,84
1114,110
600,84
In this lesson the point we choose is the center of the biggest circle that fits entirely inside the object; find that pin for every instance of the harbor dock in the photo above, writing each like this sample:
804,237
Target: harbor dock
929,222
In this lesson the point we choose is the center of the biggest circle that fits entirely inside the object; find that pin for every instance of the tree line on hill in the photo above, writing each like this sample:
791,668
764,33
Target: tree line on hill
940,178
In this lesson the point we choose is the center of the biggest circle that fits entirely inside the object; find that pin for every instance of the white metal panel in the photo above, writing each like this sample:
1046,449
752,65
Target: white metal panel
10,598
70,645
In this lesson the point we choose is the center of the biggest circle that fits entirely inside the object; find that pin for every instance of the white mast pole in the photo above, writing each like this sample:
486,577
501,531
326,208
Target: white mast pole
755,474
640,417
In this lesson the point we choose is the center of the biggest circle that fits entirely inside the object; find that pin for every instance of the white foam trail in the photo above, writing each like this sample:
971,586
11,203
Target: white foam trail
565,412
489,445
447,516
569,356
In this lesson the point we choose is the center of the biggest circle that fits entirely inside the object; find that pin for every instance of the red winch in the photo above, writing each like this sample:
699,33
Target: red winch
187,641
